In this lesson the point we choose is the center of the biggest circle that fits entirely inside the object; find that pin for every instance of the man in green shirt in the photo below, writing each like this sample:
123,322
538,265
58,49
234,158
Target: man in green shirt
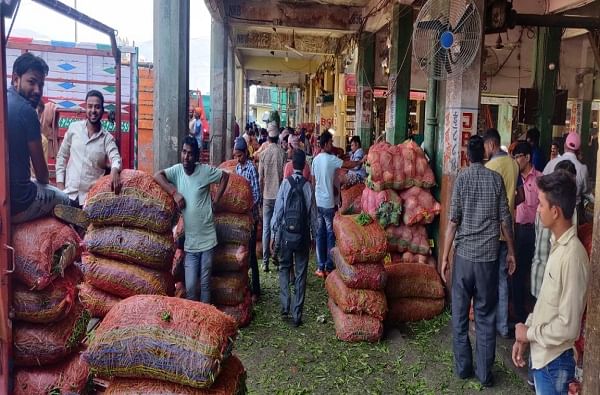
189,184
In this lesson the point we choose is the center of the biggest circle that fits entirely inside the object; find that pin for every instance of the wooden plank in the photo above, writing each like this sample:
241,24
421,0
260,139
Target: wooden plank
591,353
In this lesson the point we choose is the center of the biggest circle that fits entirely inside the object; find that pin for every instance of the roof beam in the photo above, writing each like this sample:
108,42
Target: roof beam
303,43
280,65
301,15
216,9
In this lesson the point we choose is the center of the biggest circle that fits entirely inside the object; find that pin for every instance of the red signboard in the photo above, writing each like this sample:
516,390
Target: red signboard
350,84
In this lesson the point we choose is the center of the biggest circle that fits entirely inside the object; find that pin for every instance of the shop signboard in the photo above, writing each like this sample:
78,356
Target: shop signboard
350,84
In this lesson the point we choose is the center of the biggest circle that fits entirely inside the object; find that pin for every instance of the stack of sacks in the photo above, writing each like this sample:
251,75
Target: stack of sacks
403,168
151,344
230,290
49,321
351,199
356,299
414,292
130,242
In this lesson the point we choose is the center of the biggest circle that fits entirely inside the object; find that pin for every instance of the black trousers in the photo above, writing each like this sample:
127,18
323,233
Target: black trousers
479,281
521,279
293,260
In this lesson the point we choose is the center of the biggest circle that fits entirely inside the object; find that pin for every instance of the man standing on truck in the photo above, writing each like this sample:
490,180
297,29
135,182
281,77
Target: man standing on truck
29,199
81,159
189,184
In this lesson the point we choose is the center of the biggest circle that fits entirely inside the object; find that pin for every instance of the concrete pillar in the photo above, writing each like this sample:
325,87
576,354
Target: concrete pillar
219,50
460,122
546,52
505,119
339,109
364,95
398,101
171,81
230,103
239,98
246,101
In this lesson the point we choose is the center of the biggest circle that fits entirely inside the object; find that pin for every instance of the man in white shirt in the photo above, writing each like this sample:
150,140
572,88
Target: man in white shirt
83,154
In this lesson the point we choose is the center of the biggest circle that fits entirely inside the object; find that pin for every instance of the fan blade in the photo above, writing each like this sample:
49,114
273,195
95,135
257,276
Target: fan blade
468,12
447,64
432,25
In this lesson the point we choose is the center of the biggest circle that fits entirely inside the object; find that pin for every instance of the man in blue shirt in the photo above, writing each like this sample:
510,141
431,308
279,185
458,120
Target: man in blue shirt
189,184
538,159
29,199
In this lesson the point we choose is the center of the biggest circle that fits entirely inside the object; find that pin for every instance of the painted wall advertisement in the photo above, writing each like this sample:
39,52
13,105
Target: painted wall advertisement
459,125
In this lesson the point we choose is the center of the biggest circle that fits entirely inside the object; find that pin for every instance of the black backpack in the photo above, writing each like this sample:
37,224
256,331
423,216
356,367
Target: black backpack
295,215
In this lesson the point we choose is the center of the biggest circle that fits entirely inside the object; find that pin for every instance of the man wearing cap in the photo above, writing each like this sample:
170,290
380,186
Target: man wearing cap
572,145
270,172
246,169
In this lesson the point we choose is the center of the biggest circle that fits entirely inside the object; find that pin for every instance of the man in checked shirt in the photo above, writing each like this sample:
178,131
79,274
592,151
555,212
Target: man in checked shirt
478,213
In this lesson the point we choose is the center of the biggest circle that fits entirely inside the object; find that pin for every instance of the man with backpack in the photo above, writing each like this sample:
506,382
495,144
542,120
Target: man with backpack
294,218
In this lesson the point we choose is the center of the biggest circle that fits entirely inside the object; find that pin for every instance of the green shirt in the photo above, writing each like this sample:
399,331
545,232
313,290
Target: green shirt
200,234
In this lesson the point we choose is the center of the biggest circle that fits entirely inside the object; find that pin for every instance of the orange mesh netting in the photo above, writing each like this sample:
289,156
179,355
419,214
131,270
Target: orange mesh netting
361,275
43,344
384,206
49,305
355,301
229,289
43,249
177,270
131,245
355,328
414,309
585,233
409,257
231,381
351,199
164,338
233,228
413,280
237,197
125,280
241,313
230,258
69,377
96,301
359,243
408,238
229,165
420,207
398,167
142,203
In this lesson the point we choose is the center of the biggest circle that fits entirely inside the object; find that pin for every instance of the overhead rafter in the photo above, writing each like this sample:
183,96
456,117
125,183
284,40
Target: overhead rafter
274,13
305,44
216,9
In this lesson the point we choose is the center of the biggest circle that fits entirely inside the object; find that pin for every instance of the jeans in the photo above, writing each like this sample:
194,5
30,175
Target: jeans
299,259
46,198
521,284
477,281
268,207
198,264
254,262
502,307
554,378
325,238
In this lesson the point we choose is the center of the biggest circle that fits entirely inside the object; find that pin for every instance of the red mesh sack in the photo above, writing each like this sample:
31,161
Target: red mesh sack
44,248
361,275
384,206
414,309
259,249
355,301
237,197
49,305
355,328
409,257
233,228
177,270
229,289
231,381
142,203
420,207
43,344
162,338
69,377
96,301
230,258
125,280
359,243
585,233
408,238
351,199
131,245
241,313
229,165
413,280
